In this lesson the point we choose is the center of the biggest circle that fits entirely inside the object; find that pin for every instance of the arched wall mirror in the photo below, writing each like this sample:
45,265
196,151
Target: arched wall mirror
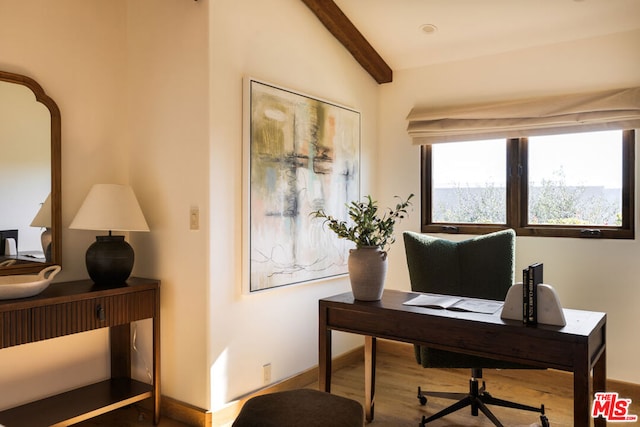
30,200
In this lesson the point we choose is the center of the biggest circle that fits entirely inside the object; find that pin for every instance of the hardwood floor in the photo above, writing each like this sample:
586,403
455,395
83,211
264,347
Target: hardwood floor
397,379
398,376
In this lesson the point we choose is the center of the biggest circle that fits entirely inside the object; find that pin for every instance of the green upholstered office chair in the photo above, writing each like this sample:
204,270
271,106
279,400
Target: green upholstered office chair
481,267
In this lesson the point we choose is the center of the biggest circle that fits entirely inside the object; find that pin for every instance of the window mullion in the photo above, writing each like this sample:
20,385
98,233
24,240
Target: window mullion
513,172
628,180
426,169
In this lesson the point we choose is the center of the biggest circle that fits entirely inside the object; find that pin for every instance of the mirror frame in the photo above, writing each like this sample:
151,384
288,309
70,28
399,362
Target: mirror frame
56,188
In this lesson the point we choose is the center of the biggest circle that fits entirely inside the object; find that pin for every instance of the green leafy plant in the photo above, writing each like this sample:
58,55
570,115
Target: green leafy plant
366,227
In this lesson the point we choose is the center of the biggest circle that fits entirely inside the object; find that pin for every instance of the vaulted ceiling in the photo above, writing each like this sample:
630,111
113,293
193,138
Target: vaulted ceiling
386,35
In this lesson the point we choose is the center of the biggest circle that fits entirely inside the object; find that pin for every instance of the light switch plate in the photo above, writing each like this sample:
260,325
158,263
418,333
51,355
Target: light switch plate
194,218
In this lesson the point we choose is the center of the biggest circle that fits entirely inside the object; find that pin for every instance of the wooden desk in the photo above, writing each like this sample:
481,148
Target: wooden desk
74,307
579,347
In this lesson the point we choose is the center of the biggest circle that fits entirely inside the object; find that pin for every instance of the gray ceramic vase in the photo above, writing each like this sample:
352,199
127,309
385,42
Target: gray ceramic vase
367,272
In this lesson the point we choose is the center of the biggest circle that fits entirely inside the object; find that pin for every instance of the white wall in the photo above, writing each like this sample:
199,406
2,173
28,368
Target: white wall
130,78
282,42
75,50
599,275
167,128
151,93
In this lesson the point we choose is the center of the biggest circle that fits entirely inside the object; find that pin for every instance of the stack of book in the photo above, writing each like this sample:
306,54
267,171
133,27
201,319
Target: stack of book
531,278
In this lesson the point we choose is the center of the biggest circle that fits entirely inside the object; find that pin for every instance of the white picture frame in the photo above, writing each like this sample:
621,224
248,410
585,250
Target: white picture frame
301,154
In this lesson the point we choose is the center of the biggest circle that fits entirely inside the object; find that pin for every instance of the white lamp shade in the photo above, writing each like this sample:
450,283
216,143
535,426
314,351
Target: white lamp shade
43,217
110,207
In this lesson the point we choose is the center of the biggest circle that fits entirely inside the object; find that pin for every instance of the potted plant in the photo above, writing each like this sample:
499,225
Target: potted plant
373,236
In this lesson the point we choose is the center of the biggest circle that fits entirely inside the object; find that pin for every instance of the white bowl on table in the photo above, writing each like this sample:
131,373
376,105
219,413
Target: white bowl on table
27,285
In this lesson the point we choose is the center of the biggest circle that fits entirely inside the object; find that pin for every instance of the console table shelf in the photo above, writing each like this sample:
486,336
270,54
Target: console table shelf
78,405
79,306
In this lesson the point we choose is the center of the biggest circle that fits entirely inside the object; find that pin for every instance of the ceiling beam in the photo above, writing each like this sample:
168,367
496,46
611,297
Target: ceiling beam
343,29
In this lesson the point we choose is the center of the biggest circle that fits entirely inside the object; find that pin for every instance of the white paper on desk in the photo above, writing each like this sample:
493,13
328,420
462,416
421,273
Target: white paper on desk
478,306
448,302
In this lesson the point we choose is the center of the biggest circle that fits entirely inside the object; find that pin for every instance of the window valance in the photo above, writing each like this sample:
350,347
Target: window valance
606,110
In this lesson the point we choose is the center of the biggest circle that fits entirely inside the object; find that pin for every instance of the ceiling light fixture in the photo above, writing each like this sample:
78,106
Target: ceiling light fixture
428,28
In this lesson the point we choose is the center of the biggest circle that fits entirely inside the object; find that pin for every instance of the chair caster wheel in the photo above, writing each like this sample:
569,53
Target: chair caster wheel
423,422
422,398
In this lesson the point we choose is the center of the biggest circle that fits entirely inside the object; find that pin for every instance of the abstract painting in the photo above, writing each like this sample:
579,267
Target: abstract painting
302,154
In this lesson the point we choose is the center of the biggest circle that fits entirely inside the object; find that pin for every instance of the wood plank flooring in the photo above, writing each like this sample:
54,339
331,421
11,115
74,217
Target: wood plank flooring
398,376
397,379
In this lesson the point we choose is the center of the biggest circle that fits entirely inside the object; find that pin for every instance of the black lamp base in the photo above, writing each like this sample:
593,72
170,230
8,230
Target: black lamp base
109,260
45,239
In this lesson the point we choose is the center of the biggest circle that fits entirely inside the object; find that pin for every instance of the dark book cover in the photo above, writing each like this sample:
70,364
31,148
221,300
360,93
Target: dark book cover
525,295
535,278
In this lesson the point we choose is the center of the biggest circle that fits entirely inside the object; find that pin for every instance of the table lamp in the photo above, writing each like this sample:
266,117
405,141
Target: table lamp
43,220
110,207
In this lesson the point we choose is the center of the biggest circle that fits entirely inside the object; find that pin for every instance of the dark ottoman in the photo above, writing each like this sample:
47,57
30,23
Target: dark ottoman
303,407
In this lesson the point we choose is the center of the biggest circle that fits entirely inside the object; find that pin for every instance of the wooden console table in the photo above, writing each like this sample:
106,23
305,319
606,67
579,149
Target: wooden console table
73,307
578,347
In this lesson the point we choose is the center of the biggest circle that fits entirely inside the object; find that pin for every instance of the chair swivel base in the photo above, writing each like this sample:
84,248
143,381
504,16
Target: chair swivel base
478,399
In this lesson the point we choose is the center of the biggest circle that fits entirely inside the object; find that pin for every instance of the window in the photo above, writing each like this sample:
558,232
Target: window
469,182
569,185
